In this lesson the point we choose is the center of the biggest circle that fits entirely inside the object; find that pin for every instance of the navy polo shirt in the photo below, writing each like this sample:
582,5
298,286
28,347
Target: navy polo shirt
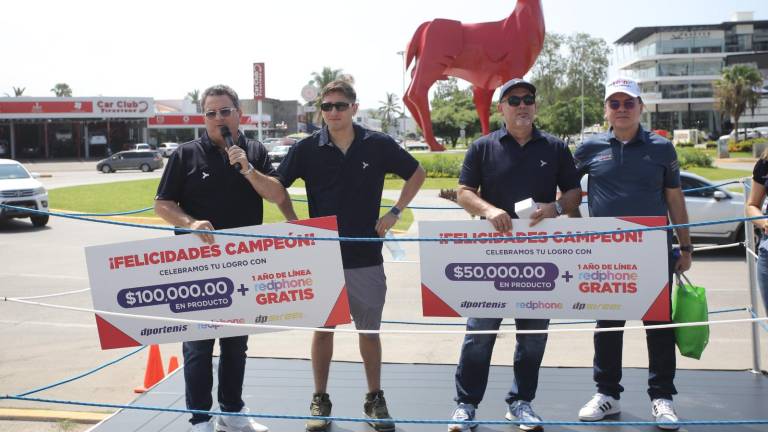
506,172
349,185
628,179
200,179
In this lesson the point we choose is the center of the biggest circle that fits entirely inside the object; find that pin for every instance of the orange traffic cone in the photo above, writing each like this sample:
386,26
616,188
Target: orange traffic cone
173,364
154,372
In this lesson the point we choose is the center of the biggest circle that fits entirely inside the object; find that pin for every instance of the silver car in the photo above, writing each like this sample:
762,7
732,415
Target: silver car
131,159
703,205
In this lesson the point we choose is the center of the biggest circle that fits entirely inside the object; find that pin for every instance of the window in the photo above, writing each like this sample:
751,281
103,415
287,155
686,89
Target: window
691,183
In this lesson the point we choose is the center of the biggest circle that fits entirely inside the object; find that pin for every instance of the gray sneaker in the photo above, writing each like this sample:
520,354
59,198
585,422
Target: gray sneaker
320,407
375,408
464,413
521,411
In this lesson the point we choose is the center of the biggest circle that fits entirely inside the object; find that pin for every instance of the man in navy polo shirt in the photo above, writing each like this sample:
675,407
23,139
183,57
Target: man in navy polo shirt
201,189
343,166
512,164
633,172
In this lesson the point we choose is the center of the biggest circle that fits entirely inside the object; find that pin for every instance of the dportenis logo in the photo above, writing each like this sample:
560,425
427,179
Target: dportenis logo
164,329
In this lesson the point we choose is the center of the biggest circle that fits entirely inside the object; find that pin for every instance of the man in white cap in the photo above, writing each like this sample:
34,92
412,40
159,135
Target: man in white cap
512,164
633,172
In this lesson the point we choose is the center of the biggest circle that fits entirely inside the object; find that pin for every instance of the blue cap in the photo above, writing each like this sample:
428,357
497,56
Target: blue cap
516,82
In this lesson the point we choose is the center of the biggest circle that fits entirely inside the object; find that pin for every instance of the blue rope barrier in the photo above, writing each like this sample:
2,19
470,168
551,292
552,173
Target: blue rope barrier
754,315
383,206
423,323
394,420
82,375
384,239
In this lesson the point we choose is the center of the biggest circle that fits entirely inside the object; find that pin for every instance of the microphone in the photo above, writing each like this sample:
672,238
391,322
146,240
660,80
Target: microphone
227,135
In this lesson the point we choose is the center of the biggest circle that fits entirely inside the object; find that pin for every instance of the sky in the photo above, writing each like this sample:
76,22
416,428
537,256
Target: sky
167,48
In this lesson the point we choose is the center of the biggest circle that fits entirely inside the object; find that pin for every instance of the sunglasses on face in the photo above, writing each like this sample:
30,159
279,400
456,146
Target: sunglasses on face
515,100
340,106
616,104
222,112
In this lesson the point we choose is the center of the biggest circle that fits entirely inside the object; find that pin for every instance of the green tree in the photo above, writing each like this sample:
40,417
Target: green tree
563,118
62,90
735,92
389,111
452,110
194,97
548,73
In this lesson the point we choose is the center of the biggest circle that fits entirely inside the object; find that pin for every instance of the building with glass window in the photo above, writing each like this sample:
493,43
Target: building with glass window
676,67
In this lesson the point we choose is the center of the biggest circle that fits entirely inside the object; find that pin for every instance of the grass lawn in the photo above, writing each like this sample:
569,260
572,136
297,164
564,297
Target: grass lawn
714,174
138,194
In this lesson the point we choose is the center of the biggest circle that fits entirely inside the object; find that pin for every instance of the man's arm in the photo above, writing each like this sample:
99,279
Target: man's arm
679,215
470,200
268,187
174,215
569,202
410,188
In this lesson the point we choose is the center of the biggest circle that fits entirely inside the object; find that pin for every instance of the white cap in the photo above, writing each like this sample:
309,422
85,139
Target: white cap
622,85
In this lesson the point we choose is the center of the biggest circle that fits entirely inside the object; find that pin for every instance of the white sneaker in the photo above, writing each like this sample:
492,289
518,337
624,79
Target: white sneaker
202,427
598,407
239,424
522,411
664,413
464,412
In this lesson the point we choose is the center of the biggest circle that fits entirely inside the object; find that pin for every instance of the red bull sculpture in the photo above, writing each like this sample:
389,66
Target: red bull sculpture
485,54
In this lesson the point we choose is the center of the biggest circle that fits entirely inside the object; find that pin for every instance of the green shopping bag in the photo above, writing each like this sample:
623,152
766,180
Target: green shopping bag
689,304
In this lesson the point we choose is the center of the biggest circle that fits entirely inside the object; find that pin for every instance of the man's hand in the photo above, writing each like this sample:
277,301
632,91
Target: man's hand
684,262
203,225
385,223
500,219
544,211
237,155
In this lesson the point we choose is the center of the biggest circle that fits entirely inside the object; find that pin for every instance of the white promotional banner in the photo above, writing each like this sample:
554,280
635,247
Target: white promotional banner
620,276
248,280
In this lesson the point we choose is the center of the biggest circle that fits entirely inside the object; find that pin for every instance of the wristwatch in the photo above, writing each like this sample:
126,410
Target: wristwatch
395,211
686,248
558,208
249,170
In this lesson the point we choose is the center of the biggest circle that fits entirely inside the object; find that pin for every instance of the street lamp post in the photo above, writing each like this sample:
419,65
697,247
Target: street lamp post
402,98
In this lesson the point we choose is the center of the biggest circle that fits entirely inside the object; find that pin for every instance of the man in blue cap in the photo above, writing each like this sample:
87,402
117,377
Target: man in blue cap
512,164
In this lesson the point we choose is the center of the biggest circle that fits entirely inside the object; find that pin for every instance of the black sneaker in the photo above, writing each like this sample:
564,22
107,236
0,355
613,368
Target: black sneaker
320,407
375,408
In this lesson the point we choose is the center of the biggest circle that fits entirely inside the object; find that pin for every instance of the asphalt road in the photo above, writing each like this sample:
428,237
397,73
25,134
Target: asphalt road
44,345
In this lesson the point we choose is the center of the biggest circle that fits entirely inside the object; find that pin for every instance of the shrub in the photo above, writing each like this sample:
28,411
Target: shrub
689,157
442,165
745,145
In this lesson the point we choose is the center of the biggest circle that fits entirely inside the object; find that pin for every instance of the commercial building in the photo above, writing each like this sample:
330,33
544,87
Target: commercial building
677,66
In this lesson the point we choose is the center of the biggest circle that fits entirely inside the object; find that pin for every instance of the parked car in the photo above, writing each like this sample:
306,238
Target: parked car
703,205
131,159
416,146
140,146
18,187
277,154
167,148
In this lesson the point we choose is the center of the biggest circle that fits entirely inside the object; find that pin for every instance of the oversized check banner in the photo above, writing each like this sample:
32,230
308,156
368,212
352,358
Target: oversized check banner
235,280
611,276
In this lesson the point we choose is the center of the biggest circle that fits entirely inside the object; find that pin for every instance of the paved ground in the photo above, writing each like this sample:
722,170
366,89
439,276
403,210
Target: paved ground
49,345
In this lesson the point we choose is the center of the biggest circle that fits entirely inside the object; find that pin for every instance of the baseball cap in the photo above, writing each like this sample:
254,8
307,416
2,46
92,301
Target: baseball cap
622,85
516,82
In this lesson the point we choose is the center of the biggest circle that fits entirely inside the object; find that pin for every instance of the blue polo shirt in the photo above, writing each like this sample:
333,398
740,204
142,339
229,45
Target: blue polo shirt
349,185
628,179
200,179
506,172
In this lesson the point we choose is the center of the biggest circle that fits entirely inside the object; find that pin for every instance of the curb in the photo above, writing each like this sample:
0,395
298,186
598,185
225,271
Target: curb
84,417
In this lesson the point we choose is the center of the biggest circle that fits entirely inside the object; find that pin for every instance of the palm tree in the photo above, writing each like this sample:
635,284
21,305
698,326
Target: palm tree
194,97
388,111
736,91
62,90
320,80
18,91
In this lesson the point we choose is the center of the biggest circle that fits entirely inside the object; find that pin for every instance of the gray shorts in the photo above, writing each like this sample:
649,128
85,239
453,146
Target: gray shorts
367,290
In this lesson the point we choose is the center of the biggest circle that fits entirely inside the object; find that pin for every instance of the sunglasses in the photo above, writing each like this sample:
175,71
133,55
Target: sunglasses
616,104
223,113
340,106
515,100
